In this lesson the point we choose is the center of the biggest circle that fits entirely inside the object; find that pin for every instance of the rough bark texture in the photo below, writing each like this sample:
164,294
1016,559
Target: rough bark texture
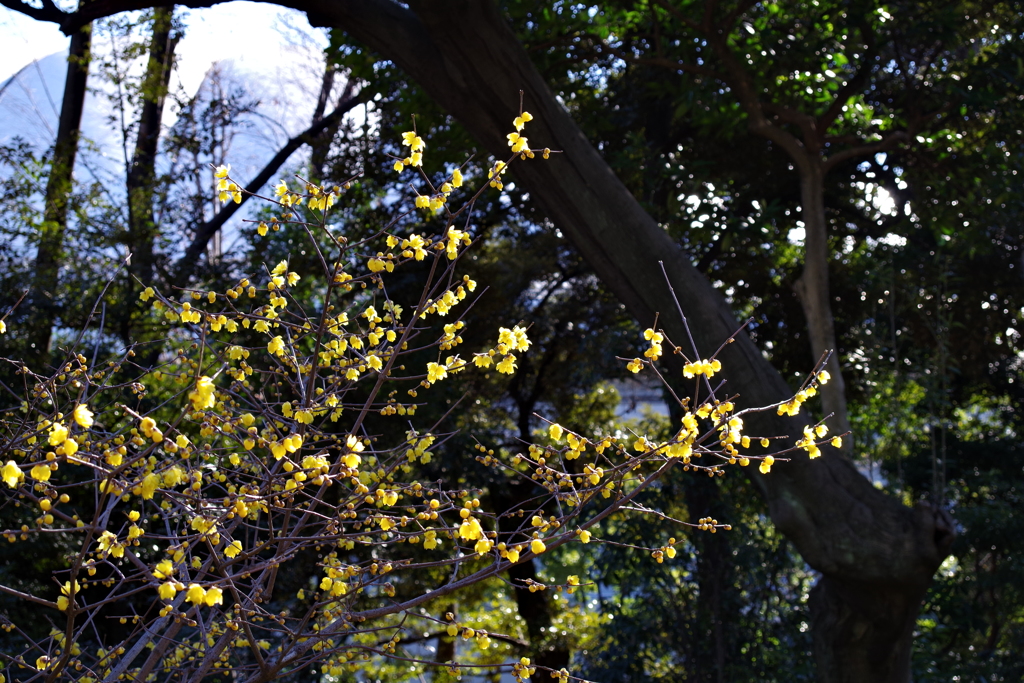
876,555
43,303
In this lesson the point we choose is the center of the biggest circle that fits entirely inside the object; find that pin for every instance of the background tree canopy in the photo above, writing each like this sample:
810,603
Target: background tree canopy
845,175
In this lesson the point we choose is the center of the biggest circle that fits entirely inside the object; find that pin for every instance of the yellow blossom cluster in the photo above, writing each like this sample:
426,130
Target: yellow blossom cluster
226,188
708,368
792,406
654,351
259,442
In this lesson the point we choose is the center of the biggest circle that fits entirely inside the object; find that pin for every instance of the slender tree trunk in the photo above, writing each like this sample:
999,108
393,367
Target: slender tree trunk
320,146
44,305
813,291
876,555
141,181
714,575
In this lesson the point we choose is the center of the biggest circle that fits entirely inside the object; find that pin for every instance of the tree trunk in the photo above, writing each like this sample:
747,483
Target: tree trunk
320,146
43,311
813,291
142,230
874,552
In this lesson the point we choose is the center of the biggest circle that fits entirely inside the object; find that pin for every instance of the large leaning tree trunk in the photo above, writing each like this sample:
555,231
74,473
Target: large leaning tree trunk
876,556
43,301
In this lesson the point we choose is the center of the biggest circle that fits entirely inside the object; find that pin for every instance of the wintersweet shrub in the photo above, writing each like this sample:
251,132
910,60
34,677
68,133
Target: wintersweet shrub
175,500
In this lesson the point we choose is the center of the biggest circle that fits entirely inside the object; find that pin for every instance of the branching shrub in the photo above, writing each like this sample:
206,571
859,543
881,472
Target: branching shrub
254,503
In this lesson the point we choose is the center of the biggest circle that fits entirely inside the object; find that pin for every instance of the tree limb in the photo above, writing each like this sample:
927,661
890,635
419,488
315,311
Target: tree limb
663,62
48,12
186,265
849,89
886,143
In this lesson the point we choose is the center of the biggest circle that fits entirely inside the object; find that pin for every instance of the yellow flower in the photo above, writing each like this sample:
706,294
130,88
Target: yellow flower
507,365
555,432
196,594
537,546
167,590
58,434
11,474
173,476
635,365
702,367
837,442
222,171
214,596
108,543
148,426
413,142
436,372
63,601
522,120
766,464
456,178
149,485
470,530
202,396
164,569
40,472
585,536
276,345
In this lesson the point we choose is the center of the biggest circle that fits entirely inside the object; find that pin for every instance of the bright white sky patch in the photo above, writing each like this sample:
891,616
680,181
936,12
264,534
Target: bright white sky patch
25,40
884,201
231,30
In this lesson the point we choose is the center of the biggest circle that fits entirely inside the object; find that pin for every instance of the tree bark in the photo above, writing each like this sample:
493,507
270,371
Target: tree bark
43,303
813,291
